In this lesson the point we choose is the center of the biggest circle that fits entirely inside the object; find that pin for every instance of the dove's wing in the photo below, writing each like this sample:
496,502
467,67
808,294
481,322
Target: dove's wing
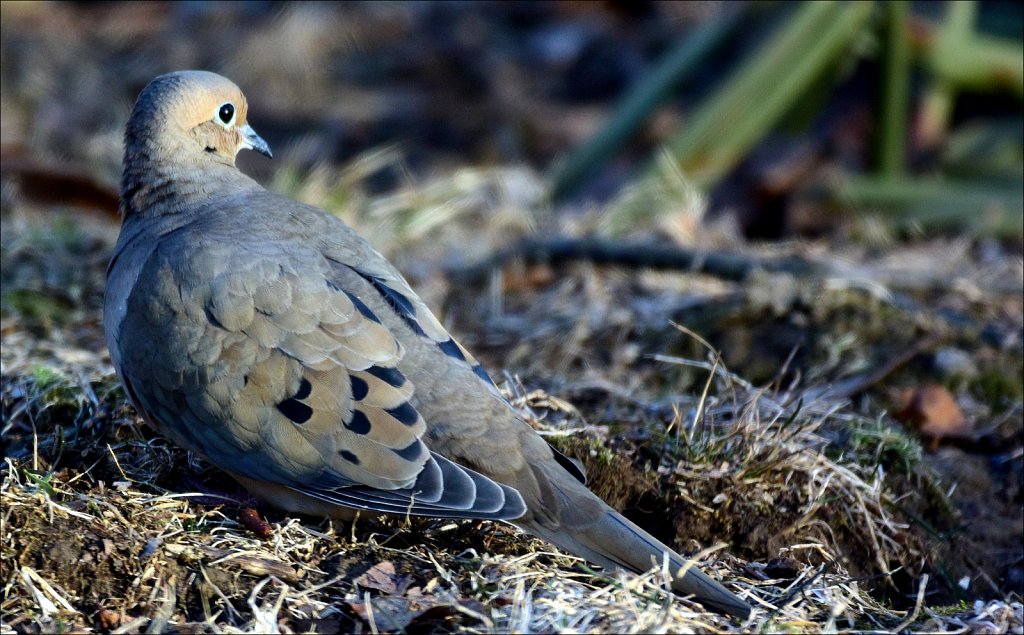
275,368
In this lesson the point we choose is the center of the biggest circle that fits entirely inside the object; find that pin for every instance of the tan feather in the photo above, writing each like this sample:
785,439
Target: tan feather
269,337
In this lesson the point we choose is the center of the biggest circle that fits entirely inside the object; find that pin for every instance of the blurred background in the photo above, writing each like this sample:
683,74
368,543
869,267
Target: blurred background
916,107
831,194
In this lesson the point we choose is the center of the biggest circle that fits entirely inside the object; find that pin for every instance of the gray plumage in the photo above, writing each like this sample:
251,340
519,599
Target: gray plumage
269,337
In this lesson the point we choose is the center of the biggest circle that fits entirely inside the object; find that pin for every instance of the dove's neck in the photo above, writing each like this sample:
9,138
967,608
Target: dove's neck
155,187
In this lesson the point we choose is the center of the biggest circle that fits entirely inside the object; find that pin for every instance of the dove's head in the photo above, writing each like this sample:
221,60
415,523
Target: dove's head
191,116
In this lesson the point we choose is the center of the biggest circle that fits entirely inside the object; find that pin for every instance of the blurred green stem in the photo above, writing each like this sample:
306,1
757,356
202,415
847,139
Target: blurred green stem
895,88
986,208
632,111
972,60
937,103
746,108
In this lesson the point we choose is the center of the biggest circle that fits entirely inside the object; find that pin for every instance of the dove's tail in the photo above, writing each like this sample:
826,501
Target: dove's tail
589,528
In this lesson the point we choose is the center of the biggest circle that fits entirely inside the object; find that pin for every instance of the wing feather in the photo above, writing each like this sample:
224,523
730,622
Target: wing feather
295,379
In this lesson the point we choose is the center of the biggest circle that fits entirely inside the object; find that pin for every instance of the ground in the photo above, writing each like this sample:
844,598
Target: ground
806,494
831,426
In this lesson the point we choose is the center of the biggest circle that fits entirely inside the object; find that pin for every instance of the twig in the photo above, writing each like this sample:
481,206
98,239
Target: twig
645,254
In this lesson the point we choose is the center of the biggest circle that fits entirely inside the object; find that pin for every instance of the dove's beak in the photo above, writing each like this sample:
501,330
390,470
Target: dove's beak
253,141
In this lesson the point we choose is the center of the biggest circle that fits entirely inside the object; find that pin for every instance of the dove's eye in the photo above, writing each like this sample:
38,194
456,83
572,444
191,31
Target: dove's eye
227,113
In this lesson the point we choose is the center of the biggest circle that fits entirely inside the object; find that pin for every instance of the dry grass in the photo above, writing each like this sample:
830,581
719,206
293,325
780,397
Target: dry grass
101,532
821,515
100,541
831,516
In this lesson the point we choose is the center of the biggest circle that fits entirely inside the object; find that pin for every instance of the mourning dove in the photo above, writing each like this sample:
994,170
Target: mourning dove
270,338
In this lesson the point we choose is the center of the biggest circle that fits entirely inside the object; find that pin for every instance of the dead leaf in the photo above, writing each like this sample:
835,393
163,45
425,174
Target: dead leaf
934,412
381,577
389,613
255,565
394,613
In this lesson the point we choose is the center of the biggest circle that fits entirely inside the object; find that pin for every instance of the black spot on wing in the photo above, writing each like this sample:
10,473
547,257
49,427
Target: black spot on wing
348,456
359,423
412,452
304,389
479,371
211,318
451,349
391,376
362,308
359,388
405,413
113,262
295,410
569,465
398,302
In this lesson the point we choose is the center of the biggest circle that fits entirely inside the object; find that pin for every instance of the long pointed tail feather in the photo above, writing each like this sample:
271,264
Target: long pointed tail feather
591,529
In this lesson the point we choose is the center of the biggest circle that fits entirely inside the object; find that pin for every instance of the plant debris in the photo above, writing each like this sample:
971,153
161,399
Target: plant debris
817,512
730,397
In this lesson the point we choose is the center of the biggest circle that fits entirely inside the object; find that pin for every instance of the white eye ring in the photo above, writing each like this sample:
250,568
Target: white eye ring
225,115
